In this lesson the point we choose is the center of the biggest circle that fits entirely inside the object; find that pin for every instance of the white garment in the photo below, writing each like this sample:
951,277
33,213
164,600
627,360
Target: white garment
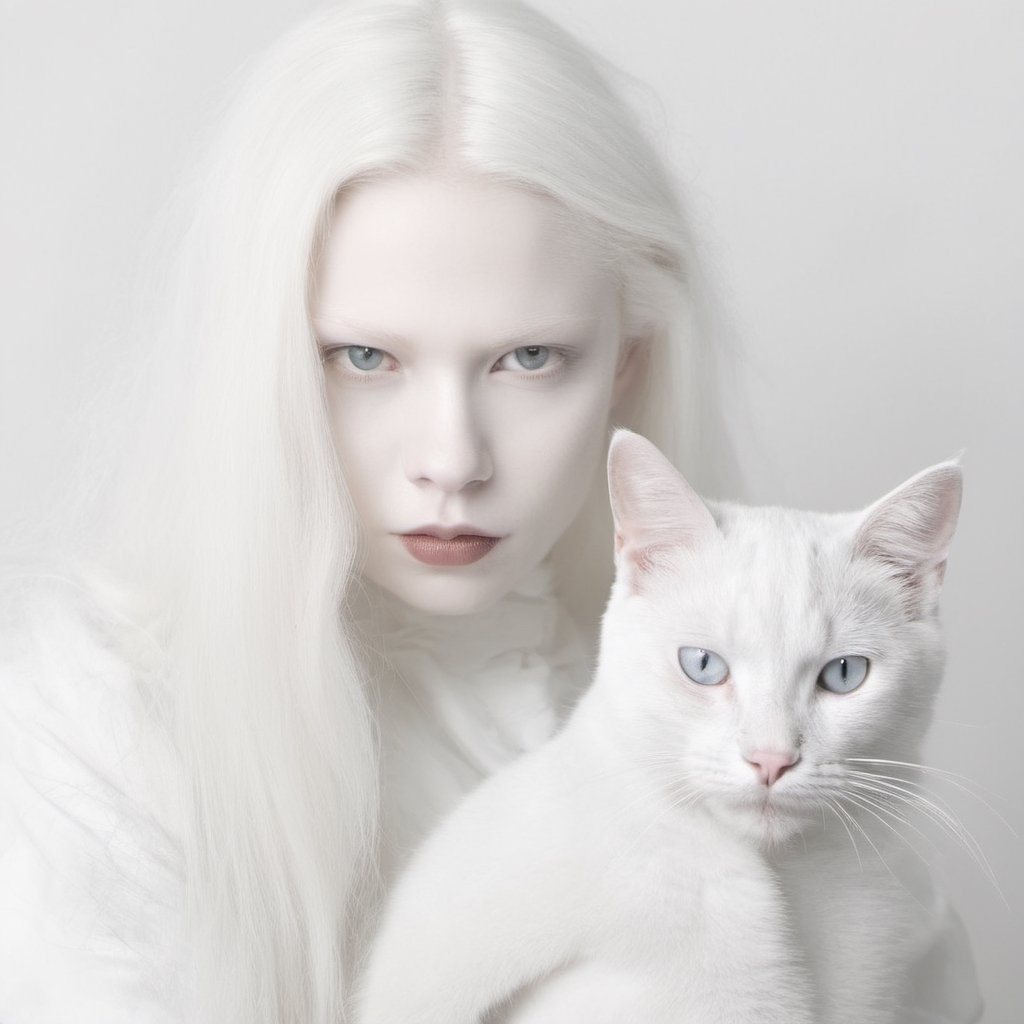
91,880
462,696
90,874
91,886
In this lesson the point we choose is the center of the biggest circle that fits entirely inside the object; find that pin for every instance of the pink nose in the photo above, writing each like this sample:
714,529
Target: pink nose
771,764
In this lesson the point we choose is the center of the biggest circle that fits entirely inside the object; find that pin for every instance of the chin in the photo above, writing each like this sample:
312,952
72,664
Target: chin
446,593
452,590
769,820
778,827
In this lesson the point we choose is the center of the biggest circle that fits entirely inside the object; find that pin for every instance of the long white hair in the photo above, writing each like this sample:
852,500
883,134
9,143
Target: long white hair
228,539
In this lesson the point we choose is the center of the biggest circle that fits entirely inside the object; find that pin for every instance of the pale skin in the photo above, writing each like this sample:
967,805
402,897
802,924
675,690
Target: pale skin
474,353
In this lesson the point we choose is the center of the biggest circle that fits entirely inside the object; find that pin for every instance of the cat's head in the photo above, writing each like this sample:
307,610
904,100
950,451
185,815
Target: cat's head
753,655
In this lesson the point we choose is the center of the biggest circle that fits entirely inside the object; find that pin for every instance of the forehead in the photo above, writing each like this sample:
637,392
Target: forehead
783,582
424,255
778,569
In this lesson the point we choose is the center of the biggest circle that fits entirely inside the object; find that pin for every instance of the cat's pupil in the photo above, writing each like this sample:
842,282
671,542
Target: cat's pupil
842,667
704,659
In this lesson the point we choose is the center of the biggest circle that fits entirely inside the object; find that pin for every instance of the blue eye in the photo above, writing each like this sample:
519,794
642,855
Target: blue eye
703,667
532,357
842,675
364,358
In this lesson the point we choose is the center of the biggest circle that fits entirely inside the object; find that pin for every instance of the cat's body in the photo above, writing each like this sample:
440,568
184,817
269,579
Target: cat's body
632,902
645,865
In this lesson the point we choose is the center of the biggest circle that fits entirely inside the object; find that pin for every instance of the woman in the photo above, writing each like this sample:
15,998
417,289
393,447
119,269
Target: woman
321,606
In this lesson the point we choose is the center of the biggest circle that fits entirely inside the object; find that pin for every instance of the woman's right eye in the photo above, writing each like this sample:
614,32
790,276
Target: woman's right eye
359,359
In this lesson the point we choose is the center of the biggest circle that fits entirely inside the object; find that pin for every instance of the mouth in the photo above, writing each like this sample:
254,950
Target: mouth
447,546
785,811
767,805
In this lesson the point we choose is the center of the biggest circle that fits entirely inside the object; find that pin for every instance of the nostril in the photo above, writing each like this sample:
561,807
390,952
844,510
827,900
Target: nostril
771,765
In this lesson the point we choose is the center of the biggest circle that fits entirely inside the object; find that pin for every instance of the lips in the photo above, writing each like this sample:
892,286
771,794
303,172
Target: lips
447,546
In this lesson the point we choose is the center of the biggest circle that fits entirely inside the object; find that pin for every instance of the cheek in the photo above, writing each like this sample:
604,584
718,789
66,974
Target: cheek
712,715
851,725
553,448
361,430
884,716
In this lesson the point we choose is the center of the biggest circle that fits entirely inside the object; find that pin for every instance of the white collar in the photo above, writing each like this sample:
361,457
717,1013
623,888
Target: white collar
489,685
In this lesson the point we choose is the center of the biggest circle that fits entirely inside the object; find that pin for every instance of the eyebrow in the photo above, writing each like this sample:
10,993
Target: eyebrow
532,332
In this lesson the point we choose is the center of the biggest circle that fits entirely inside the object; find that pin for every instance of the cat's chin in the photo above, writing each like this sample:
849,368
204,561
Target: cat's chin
768,819
779,827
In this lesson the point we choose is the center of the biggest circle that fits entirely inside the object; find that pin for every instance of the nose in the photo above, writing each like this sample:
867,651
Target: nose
771,765
446,446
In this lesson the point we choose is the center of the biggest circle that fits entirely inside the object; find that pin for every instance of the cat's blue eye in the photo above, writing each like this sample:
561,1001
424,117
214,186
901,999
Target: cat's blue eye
843,675
362,357
703,666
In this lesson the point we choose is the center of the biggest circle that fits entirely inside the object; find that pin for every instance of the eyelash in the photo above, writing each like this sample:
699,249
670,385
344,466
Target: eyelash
562,359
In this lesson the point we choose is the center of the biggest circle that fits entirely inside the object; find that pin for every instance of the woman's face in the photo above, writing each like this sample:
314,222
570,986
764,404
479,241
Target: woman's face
472,347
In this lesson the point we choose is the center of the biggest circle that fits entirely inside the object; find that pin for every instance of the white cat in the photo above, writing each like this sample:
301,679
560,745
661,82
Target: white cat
628,871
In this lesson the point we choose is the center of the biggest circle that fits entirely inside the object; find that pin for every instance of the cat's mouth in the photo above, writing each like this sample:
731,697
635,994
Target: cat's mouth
777,806
772,818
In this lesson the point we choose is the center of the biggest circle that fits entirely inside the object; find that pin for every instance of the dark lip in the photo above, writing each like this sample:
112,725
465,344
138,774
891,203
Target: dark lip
449,532
448,552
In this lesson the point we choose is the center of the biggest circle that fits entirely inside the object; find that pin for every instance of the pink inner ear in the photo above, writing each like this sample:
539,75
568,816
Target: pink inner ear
910,529
913,526
653,506
635,564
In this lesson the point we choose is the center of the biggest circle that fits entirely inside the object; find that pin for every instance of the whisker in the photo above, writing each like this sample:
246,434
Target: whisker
906,764
936,808
860,828
940,815
867,804
839,813
960,782
888,809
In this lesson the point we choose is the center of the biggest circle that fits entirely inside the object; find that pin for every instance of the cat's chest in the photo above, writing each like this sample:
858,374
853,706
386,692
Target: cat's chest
669,883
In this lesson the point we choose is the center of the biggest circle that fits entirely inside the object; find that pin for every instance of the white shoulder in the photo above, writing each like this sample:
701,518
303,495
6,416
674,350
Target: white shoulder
90,879
943,979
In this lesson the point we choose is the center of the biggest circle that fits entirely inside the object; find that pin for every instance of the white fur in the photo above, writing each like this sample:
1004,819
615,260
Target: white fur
575,858
637,867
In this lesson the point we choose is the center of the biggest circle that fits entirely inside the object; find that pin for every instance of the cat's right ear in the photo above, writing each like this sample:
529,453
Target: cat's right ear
655,510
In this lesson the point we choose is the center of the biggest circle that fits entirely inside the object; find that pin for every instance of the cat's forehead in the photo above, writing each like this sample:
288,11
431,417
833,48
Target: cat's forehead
767,538
775,577
773,574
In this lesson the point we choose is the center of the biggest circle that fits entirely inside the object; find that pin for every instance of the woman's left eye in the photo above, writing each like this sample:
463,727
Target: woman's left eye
844,675
528,357
362,357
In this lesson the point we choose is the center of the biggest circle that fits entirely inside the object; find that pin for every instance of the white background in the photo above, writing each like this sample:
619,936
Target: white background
856,170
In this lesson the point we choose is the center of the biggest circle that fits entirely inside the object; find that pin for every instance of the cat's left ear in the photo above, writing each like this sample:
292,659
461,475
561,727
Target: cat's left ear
654,508
910,530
